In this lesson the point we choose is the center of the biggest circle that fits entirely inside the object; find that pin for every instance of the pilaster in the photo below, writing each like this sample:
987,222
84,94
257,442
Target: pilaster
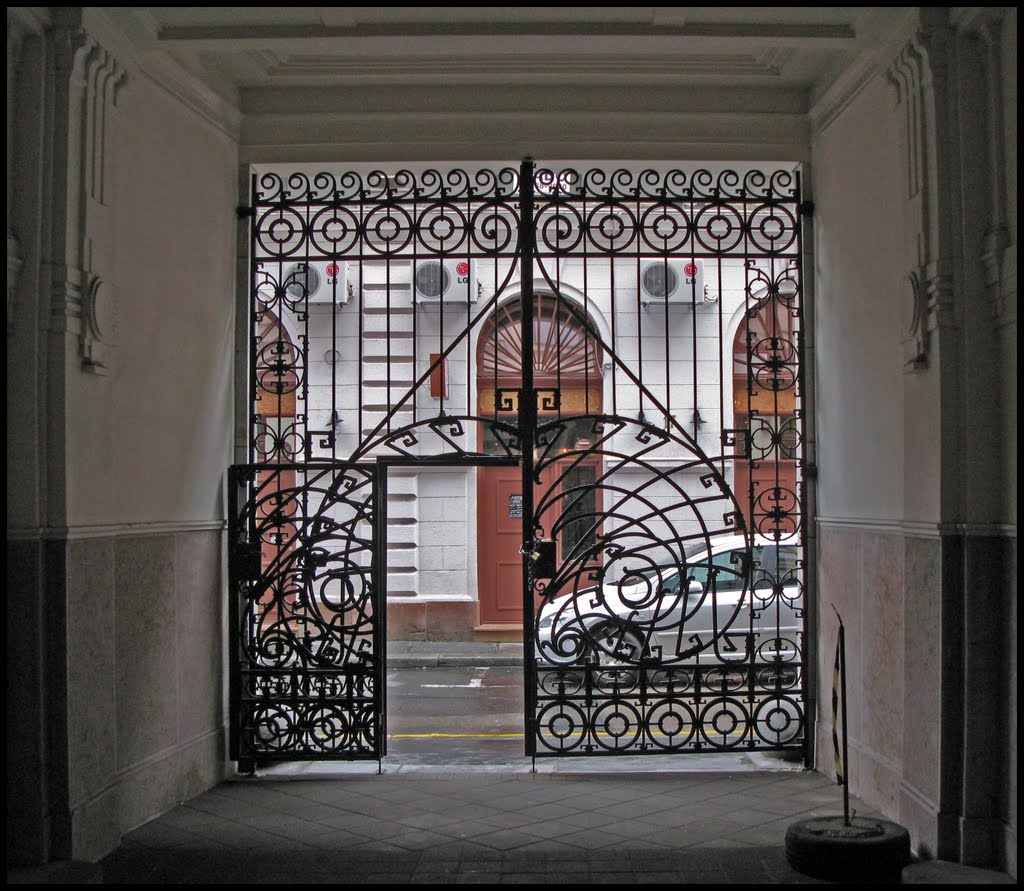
90,84
919,75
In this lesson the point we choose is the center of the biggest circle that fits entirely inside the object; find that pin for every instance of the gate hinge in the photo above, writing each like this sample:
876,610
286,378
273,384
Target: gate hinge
242,211
806,208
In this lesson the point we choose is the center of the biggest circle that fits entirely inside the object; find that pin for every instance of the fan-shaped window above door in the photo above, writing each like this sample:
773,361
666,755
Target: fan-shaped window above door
567,355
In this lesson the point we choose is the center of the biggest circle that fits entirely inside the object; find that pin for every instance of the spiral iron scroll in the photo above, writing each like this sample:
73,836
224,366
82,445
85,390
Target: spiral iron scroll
309,664
625,663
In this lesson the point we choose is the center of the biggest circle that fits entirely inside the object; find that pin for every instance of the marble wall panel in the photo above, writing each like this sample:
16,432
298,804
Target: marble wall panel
1010,729
861,574
200,632
922,658
26,806
989,675
882,644
146,646
97,827
839,586
92,709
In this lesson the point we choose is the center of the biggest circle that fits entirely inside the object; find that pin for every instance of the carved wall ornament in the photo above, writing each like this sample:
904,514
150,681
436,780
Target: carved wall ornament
989,31
99,325
919,75
918,337
90,80
18,29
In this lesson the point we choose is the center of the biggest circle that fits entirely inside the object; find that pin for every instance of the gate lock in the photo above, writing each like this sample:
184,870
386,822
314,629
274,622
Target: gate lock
543,557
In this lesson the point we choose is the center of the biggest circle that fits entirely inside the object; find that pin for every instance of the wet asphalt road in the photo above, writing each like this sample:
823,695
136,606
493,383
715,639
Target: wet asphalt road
464,715
473,717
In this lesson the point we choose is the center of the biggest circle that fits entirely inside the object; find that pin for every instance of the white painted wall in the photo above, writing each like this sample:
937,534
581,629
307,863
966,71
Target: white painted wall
150,441
861,304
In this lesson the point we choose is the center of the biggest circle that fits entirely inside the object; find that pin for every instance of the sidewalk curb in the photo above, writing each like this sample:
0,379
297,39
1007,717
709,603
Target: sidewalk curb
450,660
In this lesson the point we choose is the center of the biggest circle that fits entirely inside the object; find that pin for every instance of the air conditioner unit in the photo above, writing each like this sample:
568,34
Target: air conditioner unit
672,280
452,281
318,281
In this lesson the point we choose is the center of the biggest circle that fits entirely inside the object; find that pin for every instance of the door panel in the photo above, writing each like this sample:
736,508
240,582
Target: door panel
499,538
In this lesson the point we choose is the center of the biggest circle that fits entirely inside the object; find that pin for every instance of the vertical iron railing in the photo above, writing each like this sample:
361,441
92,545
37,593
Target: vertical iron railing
647,489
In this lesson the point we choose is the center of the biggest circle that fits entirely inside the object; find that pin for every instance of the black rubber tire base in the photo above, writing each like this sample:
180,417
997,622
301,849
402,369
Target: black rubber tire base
868,850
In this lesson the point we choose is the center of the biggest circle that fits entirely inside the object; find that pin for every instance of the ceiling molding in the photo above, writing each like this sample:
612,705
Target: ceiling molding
457,136
842,92
835,93
488,99
801,33
534,68
165,73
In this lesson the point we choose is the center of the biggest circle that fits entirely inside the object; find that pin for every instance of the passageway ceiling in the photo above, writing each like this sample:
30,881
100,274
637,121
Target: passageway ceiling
308,77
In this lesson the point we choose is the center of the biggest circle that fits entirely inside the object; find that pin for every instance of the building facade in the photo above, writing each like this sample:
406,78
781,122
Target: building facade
131,139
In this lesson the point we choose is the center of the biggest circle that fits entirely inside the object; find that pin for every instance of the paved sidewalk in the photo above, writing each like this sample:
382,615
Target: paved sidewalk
708,818
440,654
453,826
458,827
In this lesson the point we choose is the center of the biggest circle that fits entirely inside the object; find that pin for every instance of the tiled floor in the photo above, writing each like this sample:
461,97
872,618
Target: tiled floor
497,826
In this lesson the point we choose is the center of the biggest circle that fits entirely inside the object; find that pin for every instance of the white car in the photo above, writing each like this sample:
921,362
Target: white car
735,603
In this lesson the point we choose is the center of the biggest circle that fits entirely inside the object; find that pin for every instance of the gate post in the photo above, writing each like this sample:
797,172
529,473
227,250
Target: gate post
527,436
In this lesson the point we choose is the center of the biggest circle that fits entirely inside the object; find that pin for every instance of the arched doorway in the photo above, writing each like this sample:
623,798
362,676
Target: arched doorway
568,362
275,442
765,405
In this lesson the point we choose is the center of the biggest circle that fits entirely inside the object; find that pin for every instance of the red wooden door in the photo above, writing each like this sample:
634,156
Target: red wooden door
500,531
499,537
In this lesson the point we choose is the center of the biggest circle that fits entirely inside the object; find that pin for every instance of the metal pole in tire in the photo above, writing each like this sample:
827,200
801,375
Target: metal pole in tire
844,848
843,774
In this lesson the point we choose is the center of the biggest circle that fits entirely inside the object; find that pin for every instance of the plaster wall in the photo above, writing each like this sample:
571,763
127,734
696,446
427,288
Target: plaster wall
148,444
149,441
118,464
861,299
917,521
862,421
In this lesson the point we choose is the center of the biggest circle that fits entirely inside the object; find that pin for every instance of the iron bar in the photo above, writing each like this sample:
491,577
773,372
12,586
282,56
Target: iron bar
527,436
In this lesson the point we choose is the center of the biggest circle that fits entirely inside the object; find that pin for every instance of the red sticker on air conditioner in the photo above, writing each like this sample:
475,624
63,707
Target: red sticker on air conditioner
462,268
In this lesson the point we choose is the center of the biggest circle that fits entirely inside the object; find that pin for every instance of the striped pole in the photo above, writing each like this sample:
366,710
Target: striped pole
839,692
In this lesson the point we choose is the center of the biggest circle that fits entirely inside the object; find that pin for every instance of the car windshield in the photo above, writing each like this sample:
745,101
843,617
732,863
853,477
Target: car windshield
726,568
772,563
666,578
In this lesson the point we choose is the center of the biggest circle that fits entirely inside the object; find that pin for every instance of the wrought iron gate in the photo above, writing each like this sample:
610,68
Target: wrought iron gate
651,397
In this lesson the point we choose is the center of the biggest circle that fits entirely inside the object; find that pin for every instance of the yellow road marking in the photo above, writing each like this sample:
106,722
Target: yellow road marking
455,735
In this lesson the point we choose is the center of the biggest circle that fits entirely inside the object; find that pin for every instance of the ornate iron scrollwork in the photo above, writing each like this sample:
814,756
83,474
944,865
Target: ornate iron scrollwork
671,618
